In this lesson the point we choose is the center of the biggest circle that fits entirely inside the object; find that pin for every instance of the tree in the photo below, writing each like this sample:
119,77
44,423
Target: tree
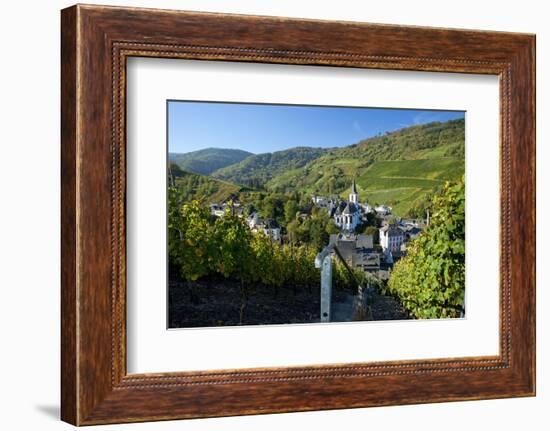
331,228
291,209
176,170
392,221
315,229
372,230
271,206
430,279
372,219
293,231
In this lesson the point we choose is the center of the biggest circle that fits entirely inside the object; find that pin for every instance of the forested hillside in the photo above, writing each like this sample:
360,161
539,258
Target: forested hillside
258,169
201,187
208,160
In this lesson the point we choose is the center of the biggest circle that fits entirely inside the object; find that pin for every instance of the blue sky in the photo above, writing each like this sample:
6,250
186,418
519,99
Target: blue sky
262,128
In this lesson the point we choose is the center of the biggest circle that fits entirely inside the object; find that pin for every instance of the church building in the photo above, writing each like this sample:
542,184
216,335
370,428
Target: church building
347,215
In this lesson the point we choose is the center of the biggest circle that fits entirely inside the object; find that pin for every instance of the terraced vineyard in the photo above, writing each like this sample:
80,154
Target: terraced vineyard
403,183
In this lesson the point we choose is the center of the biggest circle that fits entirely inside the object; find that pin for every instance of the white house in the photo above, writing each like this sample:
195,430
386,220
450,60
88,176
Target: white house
217,210
391,238
366,208
268,227
320,201
253,220
383,210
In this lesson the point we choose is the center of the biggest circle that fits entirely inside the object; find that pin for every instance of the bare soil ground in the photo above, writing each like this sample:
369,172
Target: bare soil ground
218,302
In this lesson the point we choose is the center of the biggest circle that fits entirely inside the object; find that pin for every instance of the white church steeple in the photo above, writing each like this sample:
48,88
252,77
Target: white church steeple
353,196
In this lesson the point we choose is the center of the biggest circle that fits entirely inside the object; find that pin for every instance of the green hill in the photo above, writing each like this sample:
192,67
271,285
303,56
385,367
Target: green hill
208,160
203,188
258,169
398,169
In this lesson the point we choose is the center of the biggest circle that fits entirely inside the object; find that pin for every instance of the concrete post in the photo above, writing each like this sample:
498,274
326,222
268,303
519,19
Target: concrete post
323,261
326,288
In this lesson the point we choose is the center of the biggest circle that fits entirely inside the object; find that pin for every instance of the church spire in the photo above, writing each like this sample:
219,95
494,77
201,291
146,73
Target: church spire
353,196
353,187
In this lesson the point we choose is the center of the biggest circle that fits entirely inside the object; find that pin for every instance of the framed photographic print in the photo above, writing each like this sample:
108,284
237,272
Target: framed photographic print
267,215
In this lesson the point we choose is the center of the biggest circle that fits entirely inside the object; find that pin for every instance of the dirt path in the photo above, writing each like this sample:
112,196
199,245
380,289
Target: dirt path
386,308
382,308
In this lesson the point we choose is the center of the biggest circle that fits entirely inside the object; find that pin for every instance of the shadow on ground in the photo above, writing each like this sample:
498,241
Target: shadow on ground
49,410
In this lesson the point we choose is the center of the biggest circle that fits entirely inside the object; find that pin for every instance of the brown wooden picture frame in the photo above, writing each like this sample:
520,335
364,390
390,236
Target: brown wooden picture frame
95,43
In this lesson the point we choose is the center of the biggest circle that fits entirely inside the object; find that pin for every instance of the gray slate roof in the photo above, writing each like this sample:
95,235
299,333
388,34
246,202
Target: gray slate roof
350,208
392,230
347,208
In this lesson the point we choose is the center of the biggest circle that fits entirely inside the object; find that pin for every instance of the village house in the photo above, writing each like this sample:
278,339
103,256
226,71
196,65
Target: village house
218,210
391,238
357,251
411,232
383,210
321,201
253,220
268,227
366,208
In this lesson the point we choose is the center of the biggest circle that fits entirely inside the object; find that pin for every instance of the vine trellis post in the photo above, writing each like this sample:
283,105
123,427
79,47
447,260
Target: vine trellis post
323,261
